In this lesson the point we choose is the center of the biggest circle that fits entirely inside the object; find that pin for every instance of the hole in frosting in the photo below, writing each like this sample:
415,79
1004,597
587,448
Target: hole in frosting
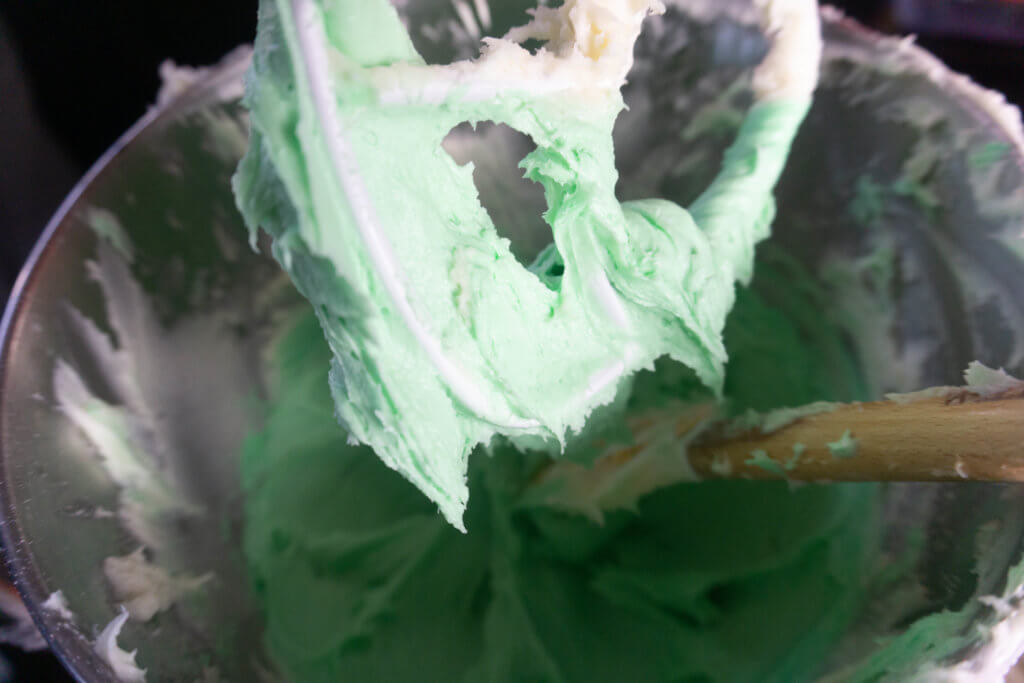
514,203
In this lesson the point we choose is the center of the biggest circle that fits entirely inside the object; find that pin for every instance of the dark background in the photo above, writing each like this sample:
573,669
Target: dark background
75,74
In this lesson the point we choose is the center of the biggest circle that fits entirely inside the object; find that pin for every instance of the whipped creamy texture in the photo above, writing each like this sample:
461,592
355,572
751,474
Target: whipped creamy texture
440,338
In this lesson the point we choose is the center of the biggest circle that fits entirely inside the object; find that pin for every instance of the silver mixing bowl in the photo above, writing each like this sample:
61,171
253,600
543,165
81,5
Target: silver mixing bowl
883,108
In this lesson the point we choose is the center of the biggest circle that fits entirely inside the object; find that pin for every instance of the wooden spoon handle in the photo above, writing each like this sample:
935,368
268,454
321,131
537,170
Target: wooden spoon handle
942,434
941,438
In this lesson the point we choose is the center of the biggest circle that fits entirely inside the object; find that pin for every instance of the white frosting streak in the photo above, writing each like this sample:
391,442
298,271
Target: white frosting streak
58,604
790,69
145,588
123,663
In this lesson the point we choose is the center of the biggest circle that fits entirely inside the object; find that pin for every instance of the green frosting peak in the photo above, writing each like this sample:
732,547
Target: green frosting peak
440,338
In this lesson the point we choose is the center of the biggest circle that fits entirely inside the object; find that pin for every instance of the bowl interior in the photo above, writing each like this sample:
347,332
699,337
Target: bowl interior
904,199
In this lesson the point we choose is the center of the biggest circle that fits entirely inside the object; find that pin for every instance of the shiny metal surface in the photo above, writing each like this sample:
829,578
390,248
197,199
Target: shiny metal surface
168,182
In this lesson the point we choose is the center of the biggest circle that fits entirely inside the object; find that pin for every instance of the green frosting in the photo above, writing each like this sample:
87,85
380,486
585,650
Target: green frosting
759,458
440,339
843,447
990,153
361,580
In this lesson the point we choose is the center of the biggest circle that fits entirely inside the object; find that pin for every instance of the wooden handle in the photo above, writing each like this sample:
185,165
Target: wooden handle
943,438
944,434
